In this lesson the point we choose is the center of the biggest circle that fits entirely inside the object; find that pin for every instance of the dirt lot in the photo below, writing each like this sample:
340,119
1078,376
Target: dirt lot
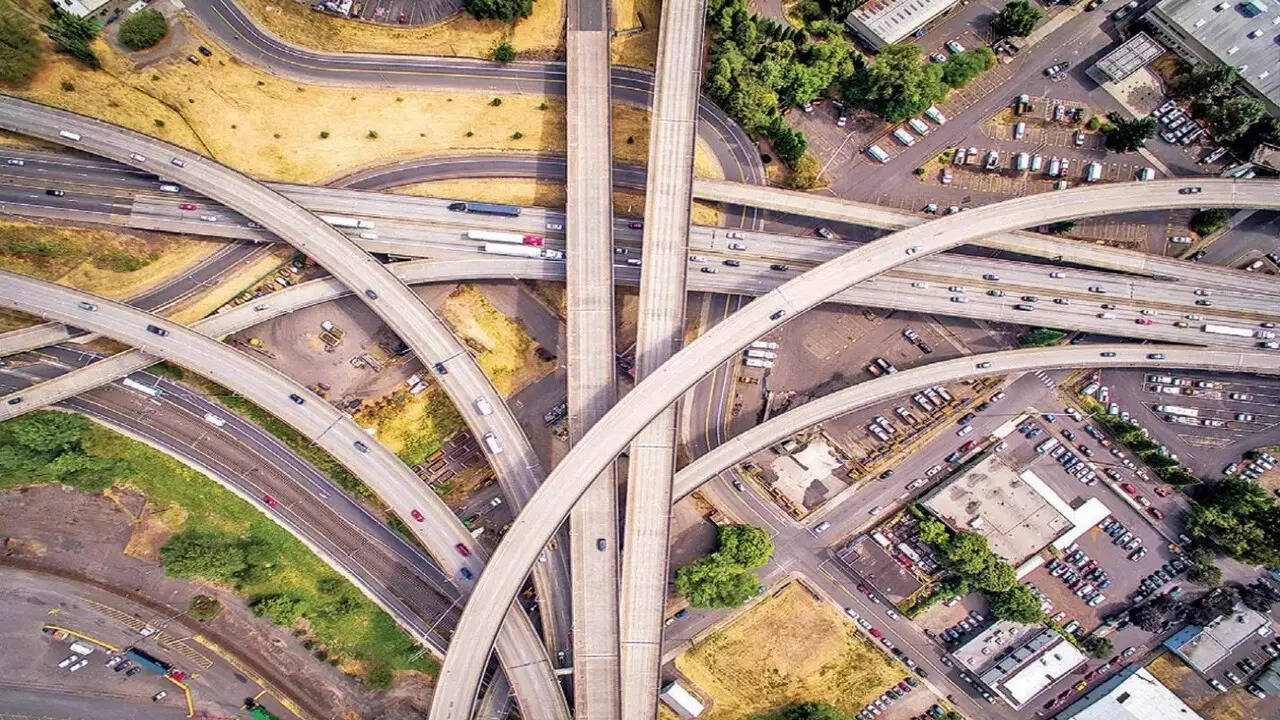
789,648
82,534
503,349
1235,704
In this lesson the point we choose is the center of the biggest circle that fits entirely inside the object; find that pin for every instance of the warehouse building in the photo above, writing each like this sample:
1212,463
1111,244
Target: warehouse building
1245,36
1130,694
885,22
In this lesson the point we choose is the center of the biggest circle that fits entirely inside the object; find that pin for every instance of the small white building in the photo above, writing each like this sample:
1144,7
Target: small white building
80,8
680,700
1131,694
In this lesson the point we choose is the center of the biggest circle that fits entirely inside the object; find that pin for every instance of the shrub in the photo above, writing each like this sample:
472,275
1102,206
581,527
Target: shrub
324,134
22,53
373,135
203,607
68,86
498,9
143,29
495,102
503,52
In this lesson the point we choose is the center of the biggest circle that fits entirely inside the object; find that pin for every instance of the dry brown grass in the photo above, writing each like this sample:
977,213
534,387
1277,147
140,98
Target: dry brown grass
100,261
1235,704
231,285
538,36
503,349
790,648
636,49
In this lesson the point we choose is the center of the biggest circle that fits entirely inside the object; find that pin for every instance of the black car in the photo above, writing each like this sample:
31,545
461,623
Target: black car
778,315
205,51
371,294
54,192
733,263
440,368
157,330
1194,190
296,398
779,268
601,544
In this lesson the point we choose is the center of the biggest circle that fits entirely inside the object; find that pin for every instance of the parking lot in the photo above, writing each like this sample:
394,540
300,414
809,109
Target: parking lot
1244,405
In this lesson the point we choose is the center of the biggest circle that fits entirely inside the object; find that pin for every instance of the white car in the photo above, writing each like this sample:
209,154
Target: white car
483,407
954,46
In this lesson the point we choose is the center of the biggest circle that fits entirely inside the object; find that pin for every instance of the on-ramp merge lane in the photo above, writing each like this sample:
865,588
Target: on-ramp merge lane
391,299
462,668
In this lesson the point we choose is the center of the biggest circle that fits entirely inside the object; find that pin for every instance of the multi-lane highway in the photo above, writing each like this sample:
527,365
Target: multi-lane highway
431,521
510,454
592,385
463,666
659,333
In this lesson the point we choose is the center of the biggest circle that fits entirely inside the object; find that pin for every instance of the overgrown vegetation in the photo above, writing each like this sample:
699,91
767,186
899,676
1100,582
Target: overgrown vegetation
143,29
1208,222
897,85
203,607
973,566
1041,337
222,540
724,578
1124,135
498,9
805,711
1210,88
20,53
1099,647
757,67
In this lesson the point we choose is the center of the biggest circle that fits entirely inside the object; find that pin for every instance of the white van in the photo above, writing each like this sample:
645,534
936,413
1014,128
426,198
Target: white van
492,443
918,125
935,115
904,137
1021,161
877,153
1054,167
368,235
484,408
1093,171
1037,162
1146,173
214,420
69,135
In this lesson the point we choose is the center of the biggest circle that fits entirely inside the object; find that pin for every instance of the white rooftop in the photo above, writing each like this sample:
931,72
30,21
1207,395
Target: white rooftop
893,20
1244,35
1046,669
1131,694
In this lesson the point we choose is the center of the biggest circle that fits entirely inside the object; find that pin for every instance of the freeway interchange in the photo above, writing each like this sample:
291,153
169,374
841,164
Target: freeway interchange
1164,301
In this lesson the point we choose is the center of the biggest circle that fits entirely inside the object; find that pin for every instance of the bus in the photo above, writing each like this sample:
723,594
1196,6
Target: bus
1177,410
485,208
151,390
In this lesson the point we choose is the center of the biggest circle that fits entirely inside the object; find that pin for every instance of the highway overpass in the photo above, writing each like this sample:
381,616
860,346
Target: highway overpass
457,684
518,467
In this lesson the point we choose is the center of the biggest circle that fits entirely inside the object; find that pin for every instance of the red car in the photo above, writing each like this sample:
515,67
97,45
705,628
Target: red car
270,501
636,225
1129,488
462,550
417,515
1162,491
864,589
1143,321
1155,513
186,206
876,634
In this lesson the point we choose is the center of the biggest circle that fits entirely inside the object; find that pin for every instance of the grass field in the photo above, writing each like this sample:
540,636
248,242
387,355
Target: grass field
790,648
362,636
412,426
504,350
636,49
111,264
1235,704
541,35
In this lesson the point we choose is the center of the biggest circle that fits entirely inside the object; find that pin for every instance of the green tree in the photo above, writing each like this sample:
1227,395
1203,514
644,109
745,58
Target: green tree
933,532
996,577
963,67
711,582
806,711
1238,518
498,9
1016,19
48,432
1231,118
211,555
1099,647
1208,222
1257,597
203,607
20,53
1041,337
1203,570
790,145
1016,604
279,608
503,52
806,173
744,545
143,29
1208,608
1154,613
896,86
71,35
1206,83
968,553
1125,135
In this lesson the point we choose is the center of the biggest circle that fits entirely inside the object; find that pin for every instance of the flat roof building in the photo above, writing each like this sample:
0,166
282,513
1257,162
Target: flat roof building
1131,56
1130,694
884,22
680,700
80,8
1204,647
1245,36
1018,661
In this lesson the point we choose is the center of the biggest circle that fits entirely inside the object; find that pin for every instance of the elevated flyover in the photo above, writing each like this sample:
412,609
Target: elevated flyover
592,379
460,675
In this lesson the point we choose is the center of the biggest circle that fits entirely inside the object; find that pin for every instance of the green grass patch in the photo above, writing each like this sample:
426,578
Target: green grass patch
223,538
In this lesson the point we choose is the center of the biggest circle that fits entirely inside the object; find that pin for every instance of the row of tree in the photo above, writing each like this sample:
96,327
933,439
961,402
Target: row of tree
1163,611
1237,518
967,556
724,578
1136,439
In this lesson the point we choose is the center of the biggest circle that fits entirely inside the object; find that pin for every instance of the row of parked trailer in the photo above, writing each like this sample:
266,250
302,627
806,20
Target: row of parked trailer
904,136
761,354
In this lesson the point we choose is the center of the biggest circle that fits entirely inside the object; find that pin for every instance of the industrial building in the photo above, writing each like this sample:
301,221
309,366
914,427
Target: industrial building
1130,694
885,22
1018,661
1242,35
